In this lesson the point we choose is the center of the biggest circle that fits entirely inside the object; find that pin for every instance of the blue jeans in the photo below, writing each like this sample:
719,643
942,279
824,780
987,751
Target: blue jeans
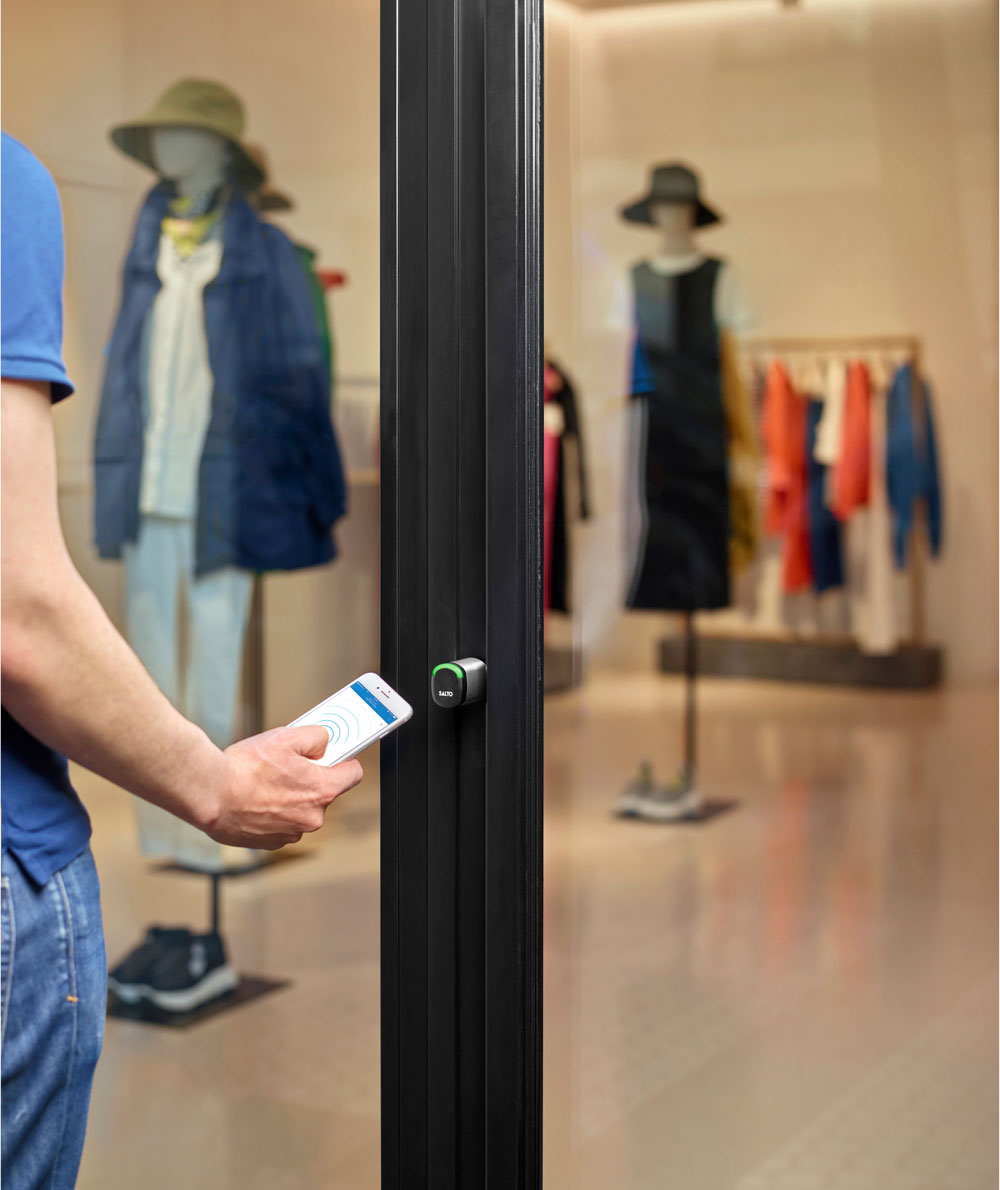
53,996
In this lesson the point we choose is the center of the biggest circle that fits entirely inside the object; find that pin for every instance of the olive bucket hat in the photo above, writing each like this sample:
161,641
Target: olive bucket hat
193,103
671,184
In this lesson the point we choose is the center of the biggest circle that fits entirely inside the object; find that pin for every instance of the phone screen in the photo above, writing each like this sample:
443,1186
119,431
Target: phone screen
353,717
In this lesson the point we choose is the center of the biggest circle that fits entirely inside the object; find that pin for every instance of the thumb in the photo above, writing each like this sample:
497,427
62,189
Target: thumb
310,740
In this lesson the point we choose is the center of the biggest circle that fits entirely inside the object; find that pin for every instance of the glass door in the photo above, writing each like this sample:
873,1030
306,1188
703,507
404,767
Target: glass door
265,1070
303,307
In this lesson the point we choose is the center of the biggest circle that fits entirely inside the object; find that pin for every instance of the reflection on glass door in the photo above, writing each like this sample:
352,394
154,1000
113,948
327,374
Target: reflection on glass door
218,171
760,406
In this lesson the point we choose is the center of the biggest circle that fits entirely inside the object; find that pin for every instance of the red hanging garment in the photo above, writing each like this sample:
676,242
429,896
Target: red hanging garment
786,513
853,468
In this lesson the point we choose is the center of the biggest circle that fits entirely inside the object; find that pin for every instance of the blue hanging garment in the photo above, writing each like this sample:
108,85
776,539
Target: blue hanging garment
825,541
911,463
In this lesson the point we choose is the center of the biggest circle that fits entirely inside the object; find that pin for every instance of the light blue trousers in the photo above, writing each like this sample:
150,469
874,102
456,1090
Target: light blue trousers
189,633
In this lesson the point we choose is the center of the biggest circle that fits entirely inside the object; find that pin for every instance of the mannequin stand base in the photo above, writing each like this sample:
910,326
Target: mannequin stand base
265,863
706,810
250,987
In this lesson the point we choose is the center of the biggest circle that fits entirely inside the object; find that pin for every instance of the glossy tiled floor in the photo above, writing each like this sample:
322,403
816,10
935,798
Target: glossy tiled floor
799,995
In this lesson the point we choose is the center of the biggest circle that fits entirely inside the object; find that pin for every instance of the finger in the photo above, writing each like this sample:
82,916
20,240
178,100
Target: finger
276,842
345,776
314,821
310,740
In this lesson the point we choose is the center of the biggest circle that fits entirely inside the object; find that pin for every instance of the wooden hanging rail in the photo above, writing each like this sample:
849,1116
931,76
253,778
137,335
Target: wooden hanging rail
844,343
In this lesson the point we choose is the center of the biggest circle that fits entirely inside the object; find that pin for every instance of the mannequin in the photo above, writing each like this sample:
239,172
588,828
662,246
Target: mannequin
206,687
681,523
215,460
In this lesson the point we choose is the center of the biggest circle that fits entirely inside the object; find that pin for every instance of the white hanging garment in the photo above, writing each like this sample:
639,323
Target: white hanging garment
874,593
829,432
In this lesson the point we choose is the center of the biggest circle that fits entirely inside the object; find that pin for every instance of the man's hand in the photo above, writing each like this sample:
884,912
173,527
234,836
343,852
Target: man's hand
270,793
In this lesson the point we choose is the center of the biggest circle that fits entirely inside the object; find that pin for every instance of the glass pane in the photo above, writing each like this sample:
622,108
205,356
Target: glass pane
228,474
770,886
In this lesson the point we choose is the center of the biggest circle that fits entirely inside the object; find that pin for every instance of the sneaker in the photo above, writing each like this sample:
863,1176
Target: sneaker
125,978
636,792
183,977
670,803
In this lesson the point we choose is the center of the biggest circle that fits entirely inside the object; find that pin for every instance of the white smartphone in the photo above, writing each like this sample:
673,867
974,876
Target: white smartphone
357,716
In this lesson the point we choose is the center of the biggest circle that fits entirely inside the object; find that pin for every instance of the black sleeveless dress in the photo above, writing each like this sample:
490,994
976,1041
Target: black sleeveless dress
679,444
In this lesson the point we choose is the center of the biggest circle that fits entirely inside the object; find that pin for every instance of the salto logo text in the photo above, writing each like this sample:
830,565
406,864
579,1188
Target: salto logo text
446,693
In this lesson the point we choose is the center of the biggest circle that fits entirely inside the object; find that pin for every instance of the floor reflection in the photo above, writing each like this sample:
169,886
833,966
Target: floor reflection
791,995
799,994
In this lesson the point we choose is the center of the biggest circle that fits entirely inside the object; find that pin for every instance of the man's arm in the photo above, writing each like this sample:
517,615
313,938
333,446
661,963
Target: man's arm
73,682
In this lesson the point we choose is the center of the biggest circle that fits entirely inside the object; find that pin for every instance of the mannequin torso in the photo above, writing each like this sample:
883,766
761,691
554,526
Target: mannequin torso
176,367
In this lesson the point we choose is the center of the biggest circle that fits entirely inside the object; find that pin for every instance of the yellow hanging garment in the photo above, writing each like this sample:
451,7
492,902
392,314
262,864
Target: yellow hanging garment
743,456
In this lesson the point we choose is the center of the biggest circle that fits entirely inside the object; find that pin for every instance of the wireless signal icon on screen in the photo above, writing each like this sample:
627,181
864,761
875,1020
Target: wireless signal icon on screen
343,726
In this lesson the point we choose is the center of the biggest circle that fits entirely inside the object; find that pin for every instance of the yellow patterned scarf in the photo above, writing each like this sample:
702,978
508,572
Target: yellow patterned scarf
187,230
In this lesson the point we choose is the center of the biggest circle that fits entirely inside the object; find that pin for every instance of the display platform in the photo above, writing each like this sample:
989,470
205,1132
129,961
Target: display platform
830,663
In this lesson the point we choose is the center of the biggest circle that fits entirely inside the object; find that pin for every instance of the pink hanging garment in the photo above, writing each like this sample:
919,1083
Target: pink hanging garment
550,454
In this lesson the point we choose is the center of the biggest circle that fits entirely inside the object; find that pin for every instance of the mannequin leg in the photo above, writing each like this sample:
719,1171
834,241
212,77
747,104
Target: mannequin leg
153,571
218,610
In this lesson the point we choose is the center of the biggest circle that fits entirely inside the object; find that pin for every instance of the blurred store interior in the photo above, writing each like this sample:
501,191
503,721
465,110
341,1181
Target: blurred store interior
771,860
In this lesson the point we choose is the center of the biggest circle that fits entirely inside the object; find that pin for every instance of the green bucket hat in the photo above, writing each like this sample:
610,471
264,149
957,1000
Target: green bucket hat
193,103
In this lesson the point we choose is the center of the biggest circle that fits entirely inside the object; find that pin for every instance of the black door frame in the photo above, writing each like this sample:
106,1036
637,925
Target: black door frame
461,576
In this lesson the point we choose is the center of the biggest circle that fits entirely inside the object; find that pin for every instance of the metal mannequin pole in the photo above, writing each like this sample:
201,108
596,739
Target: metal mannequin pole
215,902
690,708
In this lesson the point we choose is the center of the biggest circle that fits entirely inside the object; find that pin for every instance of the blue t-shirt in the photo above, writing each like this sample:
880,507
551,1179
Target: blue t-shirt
44,824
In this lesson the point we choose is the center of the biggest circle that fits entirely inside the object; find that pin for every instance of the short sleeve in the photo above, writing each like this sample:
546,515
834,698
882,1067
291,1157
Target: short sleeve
732,312
31,271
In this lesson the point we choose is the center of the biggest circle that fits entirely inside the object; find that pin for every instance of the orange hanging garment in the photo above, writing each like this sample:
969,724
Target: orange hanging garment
850,480
786,513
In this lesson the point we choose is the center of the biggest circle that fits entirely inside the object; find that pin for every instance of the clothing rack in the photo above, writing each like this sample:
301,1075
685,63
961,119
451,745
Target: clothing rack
854,347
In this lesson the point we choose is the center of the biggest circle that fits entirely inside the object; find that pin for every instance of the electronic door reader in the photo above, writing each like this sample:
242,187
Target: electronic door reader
457,683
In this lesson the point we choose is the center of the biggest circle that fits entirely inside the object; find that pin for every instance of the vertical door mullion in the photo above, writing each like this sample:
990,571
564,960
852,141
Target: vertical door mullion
513,404
443,606
461,573
470,860
403,520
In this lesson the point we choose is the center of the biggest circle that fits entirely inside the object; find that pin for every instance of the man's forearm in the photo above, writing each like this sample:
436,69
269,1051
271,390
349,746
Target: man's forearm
72,681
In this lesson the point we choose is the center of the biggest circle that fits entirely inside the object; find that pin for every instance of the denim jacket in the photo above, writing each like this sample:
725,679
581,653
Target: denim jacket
270,479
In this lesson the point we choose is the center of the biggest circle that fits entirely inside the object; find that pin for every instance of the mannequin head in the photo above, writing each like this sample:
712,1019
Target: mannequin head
195,158
674,217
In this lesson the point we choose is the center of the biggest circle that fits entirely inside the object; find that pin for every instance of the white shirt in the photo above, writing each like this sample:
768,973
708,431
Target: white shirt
731,310
179,383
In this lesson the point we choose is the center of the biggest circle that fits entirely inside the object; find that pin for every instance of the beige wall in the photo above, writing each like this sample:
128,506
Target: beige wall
852,146
308,74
